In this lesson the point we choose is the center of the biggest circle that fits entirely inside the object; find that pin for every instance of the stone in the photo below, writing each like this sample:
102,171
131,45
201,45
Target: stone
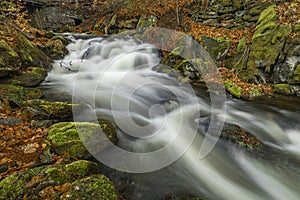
267,42
92,187
218,48
36,183
283,89
3,167
33,76
70,137
38,109
11,121
19,52
17,95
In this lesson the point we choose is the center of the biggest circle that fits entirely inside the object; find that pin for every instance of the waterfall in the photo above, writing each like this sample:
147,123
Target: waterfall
162,125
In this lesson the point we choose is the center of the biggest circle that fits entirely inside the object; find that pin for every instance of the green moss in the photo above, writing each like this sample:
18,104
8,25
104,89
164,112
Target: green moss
65,137
92,187
11,188
296,27
254,92
28,184
238,60
233,89
296,76
267,42
284,89
32,77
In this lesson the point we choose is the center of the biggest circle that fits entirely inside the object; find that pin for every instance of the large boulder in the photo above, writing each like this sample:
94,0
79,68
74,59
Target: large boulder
68,137
18,52
267,43
58,182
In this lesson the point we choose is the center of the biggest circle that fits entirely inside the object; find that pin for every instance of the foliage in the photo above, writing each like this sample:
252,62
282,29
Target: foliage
13,10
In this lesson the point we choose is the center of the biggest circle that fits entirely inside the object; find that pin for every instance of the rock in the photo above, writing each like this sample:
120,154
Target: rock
41,123
218,48
55,18
3,167
56,47
233,89
284,89
240,56
44,110
40,182
267,42
16,51
17,95
91,187
65,137
11,121
33,76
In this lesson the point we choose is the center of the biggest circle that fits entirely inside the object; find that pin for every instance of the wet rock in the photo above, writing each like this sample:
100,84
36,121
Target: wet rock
44,110
68,137
267,43
31,77
91,187
40,182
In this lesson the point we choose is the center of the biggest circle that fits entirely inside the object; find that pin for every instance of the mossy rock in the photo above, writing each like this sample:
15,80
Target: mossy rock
218,48
17,95
70,137
296,76
31,77
33,183
17,51
38,109
56,47
267,43
239,58
283,89
92,187
233,89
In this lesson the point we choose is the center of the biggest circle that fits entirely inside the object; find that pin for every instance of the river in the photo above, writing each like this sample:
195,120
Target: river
163,124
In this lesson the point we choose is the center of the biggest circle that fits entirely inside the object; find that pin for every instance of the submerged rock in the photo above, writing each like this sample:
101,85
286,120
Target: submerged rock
51,182
70,137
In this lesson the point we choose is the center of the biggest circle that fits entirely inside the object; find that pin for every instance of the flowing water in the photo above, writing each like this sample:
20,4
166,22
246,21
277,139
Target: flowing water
153,112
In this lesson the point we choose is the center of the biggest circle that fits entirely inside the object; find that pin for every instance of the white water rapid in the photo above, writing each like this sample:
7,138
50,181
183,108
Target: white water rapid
157,114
